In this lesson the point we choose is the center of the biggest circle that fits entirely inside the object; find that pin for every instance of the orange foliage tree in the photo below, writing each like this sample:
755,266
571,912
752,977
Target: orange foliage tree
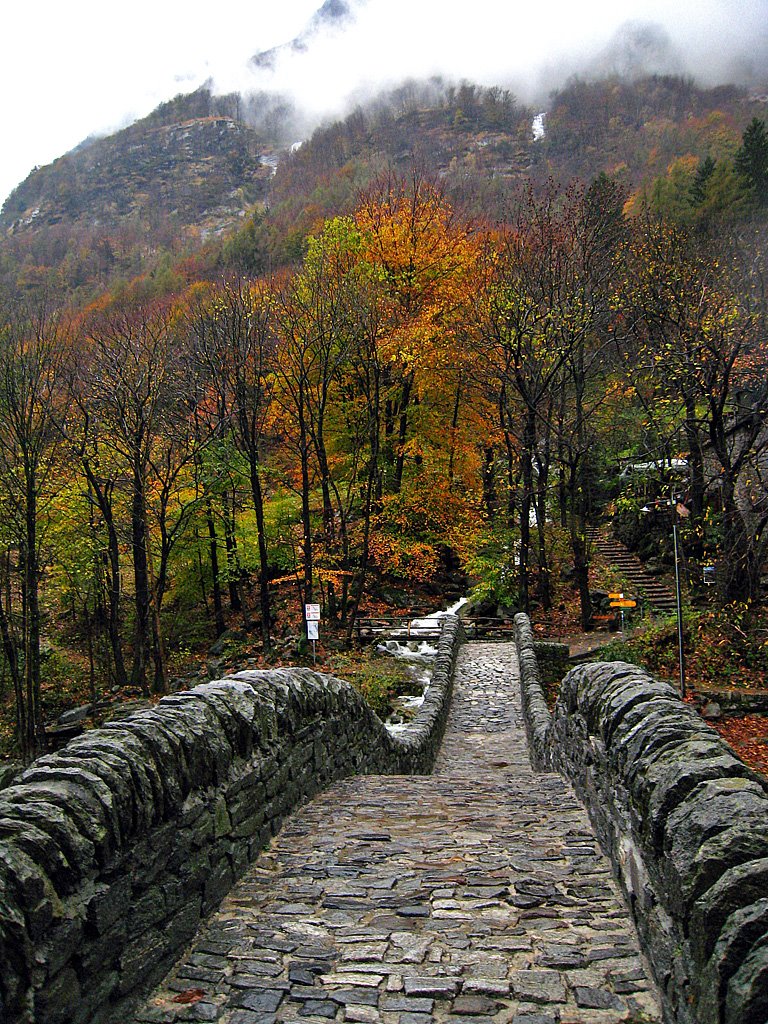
425,260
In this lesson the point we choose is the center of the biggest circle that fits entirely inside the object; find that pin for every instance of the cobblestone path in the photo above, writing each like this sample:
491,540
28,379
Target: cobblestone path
473,895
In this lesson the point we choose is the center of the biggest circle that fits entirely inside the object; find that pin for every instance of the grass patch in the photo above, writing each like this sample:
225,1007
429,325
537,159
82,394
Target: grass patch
725,648
378,678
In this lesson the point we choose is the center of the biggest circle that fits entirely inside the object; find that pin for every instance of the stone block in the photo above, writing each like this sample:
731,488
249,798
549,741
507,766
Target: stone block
741,931
108,905
54,1004
538,986
737,889
96,995
141,960
102,953
747,998
56,951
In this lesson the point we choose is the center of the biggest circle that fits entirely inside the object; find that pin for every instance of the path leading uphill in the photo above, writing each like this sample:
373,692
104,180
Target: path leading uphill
473,895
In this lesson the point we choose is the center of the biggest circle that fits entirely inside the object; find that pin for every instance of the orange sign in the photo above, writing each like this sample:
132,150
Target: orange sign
625,603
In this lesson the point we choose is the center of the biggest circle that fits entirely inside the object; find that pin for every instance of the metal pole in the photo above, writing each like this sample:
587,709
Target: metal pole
678,594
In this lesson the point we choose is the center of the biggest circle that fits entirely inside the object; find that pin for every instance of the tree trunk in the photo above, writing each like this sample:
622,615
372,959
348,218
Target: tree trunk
160,682
141,584
11,651
695,461
100,494
329,529
233,567
740,564
542,480
454,430
306,518
34,723
213,548
526,504
402,431
258,504
578,532
489,483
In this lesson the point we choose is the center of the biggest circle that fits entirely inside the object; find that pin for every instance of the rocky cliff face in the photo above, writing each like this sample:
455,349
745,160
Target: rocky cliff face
201,171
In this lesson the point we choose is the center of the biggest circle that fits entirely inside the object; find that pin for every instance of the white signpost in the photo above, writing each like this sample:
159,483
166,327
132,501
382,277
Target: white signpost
312,617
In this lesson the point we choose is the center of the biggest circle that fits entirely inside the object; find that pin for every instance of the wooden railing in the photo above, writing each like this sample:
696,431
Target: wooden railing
414,627
397,627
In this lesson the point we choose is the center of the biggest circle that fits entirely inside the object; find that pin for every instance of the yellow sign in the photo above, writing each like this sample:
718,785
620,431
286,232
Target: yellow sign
624,604
615,597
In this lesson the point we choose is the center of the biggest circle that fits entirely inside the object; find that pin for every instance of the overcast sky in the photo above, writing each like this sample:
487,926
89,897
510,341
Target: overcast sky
72,69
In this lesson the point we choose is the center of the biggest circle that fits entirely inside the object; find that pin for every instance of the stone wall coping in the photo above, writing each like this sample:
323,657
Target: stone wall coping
684,821
114,848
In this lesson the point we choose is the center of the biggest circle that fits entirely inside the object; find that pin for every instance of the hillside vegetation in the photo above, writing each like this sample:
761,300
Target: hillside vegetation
419,358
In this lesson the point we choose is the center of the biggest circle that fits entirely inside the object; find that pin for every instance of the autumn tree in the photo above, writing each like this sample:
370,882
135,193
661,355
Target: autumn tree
691,322
32,350
233,333
363,413
658,326
142,395
425,259
315,323
530,321
592,229
101,476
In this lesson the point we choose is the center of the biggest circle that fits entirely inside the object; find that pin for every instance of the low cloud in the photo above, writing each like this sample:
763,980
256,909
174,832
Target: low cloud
83,68
530,48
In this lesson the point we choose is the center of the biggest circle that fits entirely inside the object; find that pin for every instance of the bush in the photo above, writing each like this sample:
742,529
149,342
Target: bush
724,647
378,678
494,565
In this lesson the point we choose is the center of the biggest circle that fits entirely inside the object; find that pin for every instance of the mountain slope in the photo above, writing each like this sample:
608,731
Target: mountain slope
203,168
333,15
199,164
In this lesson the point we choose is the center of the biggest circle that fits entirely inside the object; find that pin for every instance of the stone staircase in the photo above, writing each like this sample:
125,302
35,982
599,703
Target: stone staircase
657,595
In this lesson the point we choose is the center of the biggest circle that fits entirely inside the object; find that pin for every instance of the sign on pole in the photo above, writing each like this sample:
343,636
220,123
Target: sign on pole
624,603
312,617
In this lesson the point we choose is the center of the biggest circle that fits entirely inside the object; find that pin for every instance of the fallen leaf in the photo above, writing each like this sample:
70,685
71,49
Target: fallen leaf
191,995
747,736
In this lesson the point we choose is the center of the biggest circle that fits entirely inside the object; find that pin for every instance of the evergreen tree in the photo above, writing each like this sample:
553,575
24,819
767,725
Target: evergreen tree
698,190
752,159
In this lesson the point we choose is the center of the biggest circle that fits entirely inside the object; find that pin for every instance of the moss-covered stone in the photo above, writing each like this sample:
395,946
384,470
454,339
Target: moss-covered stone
111,850
685,821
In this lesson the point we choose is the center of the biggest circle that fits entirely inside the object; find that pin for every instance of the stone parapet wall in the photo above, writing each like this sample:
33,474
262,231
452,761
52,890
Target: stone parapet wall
554,661
733,703
537,716
114,849
686,825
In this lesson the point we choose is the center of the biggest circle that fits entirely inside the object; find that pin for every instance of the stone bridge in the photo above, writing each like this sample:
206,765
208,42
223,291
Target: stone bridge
476,893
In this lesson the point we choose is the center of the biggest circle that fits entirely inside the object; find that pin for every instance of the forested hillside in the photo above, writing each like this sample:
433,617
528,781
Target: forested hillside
186,175
430,348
